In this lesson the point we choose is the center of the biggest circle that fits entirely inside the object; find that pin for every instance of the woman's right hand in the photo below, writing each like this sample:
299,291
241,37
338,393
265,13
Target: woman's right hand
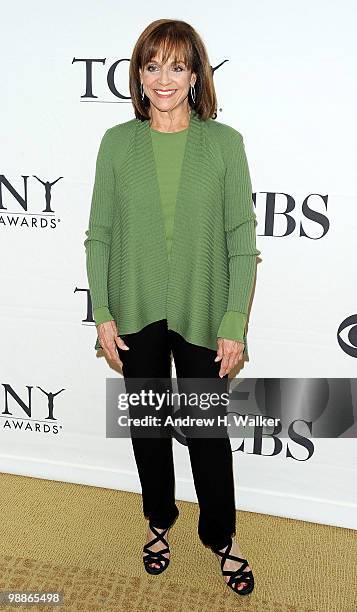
109,338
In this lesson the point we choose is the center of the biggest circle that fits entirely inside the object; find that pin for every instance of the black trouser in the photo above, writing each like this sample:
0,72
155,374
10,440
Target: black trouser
211,458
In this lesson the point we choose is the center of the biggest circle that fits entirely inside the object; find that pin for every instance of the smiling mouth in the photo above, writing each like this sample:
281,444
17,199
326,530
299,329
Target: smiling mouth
165,93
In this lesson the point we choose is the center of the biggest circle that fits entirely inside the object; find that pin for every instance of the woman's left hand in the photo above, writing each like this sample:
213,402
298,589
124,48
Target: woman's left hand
230,351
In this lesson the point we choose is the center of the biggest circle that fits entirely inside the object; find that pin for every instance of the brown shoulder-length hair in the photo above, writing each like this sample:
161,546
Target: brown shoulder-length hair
179,39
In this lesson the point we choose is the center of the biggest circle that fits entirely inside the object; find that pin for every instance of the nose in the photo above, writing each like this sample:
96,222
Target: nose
164,76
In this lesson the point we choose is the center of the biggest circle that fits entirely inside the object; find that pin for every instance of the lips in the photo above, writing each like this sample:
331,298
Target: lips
165,93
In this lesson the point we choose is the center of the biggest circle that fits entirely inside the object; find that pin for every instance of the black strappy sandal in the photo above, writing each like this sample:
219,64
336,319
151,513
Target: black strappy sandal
158,556
238,575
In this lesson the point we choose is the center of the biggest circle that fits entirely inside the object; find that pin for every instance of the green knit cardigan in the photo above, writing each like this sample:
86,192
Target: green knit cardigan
208,282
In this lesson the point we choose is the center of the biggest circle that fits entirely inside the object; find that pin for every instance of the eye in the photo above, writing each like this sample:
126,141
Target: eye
150,66
179,68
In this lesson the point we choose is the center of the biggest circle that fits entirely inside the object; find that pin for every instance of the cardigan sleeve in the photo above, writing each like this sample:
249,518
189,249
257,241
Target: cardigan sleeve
240,222
232,326
98,234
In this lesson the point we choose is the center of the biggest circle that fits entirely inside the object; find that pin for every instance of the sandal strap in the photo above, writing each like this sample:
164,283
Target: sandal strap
234,574
240,577
158,552
225,554
156,556
149,559
159,537
152,557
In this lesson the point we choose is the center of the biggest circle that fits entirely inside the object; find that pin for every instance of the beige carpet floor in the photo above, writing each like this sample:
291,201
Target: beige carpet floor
87,543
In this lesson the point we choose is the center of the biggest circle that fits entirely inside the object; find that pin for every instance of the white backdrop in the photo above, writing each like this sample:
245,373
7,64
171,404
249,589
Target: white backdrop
288,85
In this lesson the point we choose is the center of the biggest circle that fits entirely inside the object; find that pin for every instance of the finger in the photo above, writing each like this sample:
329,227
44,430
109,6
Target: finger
111,353
222,368
116,360
120,342
236,355
219,351
224,365
240,351
233,360
114,357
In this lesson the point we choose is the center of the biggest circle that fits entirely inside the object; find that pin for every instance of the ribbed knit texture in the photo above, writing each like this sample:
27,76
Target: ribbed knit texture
168,152
213,256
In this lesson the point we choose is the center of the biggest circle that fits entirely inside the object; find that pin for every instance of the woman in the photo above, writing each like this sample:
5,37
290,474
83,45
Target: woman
171,259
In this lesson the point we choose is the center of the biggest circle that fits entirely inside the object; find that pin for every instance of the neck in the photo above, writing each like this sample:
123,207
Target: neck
167,122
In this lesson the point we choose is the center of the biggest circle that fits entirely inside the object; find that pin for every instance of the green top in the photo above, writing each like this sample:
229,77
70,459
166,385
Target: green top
206,285
168,150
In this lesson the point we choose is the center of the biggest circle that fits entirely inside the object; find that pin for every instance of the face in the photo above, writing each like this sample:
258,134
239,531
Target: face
166,85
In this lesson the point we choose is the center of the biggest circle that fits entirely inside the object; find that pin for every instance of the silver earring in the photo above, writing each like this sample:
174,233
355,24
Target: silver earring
193,93
142,91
